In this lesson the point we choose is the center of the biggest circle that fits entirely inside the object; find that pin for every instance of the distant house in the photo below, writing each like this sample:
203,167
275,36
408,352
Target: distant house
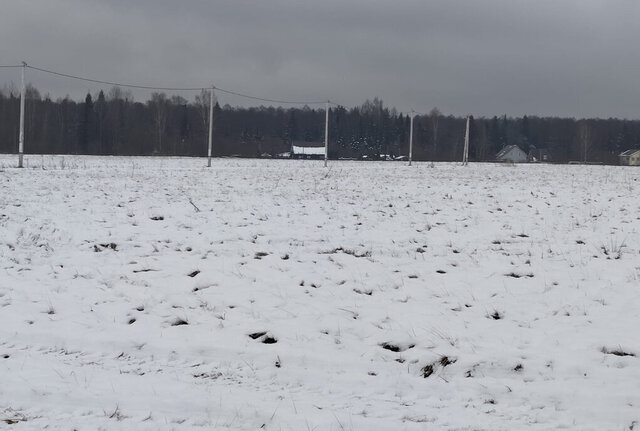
511,153
307,150
539,155
630,158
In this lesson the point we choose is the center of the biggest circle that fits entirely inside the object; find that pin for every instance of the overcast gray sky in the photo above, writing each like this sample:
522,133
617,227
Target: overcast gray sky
575,58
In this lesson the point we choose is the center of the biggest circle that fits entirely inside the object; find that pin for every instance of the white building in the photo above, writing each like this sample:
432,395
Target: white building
511,153
308,152
630,158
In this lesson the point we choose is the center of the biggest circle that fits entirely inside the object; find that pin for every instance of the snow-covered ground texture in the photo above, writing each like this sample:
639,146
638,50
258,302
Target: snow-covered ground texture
154,293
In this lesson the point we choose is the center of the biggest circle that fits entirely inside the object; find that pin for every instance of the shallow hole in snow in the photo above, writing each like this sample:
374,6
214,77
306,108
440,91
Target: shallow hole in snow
397,347
617,352
496,315
179,321
264,337
257,335
269,340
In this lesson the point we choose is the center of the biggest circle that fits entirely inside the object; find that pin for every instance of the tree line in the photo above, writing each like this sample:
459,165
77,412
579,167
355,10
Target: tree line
113,123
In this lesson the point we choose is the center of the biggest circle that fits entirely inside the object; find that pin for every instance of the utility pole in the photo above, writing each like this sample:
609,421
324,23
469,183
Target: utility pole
411,137
326,134
465,153
210,126
21,137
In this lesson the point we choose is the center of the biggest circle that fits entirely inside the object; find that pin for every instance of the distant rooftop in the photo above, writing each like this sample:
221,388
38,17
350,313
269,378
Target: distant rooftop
629,152
315,151
506,149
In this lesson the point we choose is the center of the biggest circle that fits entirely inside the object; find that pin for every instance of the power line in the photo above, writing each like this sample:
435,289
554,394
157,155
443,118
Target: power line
292,102
148,87
117,84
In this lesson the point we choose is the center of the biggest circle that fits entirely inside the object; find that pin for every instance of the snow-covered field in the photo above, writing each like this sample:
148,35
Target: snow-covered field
154,293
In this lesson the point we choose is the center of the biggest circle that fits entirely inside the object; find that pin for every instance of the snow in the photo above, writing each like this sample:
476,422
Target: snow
513,289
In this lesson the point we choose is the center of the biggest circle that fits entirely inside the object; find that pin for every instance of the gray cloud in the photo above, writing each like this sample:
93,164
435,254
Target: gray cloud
484,57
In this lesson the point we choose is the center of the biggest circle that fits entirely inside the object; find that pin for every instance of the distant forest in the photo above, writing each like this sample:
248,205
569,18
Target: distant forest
112,123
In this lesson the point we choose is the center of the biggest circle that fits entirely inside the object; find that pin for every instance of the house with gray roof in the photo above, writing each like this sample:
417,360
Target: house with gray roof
511,153
630,158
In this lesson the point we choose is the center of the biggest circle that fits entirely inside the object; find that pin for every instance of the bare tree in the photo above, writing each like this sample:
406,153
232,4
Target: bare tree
202,103
159,105
117,93
482,140
584,138
435,115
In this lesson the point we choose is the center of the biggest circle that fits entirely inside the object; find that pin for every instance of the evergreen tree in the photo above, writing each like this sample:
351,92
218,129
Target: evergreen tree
85,125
